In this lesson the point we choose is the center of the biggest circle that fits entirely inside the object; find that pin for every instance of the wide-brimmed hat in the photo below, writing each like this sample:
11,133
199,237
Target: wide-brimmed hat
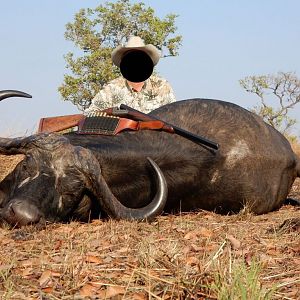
135,43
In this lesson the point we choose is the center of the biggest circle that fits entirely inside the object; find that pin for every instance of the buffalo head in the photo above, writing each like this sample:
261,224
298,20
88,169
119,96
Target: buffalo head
57,181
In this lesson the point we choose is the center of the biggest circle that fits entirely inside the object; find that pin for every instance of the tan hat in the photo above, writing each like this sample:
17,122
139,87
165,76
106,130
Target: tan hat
135,43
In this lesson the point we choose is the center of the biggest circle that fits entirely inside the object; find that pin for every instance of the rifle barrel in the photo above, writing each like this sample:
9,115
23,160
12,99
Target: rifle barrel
139,116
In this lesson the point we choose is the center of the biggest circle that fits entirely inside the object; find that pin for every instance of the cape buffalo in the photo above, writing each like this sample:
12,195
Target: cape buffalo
137,175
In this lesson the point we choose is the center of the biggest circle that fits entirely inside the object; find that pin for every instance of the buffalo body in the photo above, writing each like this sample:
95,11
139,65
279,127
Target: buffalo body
64,177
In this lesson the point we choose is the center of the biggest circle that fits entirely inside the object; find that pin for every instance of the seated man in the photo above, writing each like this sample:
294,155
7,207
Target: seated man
137,88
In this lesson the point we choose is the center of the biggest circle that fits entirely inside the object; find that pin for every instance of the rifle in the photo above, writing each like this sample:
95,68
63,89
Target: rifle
134,114
143,121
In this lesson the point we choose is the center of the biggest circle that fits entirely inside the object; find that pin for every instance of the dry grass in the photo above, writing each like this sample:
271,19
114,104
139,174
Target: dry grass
296,148
8,163
191,256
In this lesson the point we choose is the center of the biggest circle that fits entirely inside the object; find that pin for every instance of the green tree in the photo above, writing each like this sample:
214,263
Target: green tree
96,32
283,89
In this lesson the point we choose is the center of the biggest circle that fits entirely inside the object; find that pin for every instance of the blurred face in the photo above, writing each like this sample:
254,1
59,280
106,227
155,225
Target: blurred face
136,66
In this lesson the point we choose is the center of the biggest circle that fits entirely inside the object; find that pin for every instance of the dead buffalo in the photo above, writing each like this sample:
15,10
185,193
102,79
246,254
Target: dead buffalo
137,175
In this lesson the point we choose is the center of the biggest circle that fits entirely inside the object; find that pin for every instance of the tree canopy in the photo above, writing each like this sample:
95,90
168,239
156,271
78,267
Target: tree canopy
96,32
284,88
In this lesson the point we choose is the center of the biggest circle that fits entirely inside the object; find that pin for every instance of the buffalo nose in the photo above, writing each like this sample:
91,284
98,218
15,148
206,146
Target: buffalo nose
21,212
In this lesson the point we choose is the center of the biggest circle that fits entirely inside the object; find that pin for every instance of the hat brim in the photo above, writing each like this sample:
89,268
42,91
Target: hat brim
150,50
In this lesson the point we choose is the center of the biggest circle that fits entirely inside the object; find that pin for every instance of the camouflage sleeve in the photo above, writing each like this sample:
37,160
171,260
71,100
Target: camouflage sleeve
170,95
96,104
166,94
107,97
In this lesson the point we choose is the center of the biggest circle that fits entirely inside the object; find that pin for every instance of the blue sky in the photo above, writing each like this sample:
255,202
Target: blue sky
223,41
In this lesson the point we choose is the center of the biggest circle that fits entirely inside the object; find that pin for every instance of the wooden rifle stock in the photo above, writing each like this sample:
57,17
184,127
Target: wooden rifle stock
61,123
139,116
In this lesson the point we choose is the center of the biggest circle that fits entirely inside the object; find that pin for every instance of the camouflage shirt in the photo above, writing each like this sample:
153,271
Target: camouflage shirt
155,93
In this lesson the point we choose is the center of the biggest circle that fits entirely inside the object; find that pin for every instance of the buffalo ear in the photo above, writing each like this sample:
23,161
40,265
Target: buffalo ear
40,141
15,145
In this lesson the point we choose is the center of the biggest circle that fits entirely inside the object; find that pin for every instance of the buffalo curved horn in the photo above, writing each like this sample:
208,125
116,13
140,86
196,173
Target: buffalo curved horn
115,209
7,145
13,93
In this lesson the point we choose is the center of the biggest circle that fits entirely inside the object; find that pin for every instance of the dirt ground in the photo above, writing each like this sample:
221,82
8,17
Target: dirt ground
199,255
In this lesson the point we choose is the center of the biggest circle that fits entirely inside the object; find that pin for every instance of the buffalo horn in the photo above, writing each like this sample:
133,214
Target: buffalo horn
12,146
12,93
117,210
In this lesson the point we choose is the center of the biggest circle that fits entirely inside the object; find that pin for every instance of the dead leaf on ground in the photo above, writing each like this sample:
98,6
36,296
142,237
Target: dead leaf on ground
203,232
192,261
29,262
46,278
93,259
209,217
57,245
48,289
248,257
25,272
266,260
235,243
64,229
6,241
111,291
273,251
196,248
139,296
88,290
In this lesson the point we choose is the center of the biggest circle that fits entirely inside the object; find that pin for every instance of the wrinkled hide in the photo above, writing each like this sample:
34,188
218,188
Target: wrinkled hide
65,177
255,165
56,178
